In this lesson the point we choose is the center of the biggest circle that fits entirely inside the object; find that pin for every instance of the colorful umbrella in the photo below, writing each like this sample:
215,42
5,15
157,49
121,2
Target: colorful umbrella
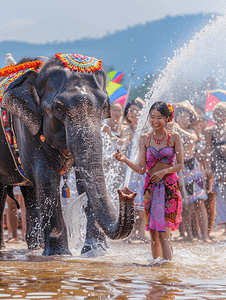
114,76
116,92
214,97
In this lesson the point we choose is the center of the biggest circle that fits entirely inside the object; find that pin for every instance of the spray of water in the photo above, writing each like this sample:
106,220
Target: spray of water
74,214
194,69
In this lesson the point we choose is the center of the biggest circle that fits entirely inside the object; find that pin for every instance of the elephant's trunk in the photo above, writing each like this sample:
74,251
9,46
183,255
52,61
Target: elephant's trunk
86,146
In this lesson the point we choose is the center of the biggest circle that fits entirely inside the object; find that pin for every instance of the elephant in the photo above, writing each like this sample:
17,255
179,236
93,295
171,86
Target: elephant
56,116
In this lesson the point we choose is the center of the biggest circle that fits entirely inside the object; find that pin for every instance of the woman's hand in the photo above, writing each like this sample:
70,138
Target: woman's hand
120,156
106,129
157,176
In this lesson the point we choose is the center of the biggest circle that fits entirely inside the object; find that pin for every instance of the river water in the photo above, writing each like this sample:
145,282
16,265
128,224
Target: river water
197,271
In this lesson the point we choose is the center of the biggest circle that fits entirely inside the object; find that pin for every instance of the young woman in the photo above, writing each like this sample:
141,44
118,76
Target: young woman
112,125
158,151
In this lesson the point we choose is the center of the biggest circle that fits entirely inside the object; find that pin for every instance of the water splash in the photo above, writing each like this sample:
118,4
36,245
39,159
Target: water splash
194,69
113,169
74,214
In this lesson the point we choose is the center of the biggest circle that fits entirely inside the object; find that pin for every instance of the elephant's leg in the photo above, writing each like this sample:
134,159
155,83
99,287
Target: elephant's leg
95,242
34,233
2,205
48,195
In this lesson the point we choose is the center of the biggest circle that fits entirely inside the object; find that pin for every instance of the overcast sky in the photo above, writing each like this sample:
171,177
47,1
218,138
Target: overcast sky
44,21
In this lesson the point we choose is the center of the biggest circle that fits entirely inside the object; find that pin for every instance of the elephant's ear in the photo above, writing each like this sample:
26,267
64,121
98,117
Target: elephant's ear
100,77
21,99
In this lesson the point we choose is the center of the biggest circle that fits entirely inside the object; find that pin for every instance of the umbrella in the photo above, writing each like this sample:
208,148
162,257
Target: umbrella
116,92
114,76
214,97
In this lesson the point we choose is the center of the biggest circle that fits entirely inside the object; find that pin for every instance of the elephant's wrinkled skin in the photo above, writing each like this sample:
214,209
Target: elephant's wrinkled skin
65,107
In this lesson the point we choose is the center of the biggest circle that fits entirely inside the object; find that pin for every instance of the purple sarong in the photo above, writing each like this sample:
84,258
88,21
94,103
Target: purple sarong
157,214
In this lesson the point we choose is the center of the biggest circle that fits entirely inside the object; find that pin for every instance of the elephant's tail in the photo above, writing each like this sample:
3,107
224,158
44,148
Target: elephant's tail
9,191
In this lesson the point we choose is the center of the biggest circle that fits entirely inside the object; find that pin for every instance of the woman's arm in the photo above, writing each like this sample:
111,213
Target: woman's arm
121,140
186,133
179,155
141,166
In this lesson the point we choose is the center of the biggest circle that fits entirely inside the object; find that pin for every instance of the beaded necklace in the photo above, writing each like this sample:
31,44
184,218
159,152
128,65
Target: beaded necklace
159,141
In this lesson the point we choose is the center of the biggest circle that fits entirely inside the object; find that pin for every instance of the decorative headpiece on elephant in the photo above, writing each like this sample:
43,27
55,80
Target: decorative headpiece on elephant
64,103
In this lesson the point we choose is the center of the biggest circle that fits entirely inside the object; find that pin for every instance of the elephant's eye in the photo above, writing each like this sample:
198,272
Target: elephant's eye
59,110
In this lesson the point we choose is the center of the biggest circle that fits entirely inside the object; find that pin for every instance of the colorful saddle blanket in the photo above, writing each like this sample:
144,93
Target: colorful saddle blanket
6,121
16,77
